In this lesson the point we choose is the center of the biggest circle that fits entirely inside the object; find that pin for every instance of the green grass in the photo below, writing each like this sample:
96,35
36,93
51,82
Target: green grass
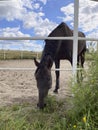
16,54
89,56
84,111
26,117
19,54
79,112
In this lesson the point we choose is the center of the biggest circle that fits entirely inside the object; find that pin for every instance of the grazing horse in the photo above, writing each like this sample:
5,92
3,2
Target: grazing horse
54,51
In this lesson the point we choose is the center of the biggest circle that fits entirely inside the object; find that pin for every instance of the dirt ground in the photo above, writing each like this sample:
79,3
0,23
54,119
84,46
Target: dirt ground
19,86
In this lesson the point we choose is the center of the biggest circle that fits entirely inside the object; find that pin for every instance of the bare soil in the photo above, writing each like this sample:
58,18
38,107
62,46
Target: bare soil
19,86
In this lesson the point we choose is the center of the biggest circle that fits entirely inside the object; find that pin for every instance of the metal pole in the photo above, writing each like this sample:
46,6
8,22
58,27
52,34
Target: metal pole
3,49
97,46
48,38
75,40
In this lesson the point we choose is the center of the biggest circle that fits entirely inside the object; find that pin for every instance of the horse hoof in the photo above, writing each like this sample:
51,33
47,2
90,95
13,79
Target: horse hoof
55,91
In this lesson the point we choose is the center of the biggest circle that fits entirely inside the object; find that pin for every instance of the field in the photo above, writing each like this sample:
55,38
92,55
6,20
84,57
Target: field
18,86
18,54
72,108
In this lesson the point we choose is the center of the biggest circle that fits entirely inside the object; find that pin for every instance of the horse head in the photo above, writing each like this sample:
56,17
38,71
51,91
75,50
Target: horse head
43,78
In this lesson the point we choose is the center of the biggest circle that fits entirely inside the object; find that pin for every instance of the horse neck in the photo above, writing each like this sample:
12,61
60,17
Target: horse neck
48,50
52,48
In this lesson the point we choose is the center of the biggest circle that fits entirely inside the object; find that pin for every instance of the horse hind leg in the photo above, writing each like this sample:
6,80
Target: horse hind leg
57,65
78,71
81,60
82,64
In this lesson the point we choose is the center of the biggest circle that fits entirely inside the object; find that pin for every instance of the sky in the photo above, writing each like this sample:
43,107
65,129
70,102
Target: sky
39,17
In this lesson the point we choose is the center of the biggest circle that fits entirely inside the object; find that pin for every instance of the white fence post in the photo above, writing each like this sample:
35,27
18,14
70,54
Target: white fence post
75,35
3,49
97,45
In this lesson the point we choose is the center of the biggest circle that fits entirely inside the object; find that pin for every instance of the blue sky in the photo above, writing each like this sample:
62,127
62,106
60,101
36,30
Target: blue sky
40,17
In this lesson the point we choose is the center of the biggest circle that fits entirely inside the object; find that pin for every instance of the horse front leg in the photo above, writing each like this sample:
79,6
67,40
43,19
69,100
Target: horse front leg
57,65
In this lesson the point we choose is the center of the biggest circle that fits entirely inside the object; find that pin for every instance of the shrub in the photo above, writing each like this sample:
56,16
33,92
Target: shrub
84,111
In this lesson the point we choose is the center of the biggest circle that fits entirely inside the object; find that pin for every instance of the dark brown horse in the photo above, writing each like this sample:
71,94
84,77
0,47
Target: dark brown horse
55,50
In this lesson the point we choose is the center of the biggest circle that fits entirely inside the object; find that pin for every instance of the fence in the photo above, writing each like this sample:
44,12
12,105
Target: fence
42,38
18,54
75,37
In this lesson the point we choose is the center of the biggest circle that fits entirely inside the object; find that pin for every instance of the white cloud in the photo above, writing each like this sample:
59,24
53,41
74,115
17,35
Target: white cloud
32,16
88,15
12,10
17,9
21,44
32,19
8,32
25,11
30,13
27,3
44,27
37,6
68,12
43,1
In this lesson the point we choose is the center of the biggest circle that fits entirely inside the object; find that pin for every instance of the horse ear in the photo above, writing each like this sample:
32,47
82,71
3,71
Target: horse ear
49,61
36,62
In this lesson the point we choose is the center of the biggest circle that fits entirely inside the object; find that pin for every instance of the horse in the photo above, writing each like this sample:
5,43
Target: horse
54,51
